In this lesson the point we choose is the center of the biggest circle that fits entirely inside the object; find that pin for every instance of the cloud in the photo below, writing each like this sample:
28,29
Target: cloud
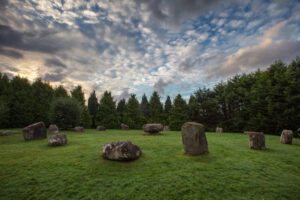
55,77
11,53
124,95
54,62
178,10
270,49
160,85
38,41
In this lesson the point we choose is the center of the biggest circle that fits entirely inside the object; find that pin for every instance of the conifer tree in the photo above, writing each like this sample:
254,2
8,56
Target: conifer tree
60,91
107,113
133,116
155,109
93,107
21,103
42,96
145,106
120,109
178,113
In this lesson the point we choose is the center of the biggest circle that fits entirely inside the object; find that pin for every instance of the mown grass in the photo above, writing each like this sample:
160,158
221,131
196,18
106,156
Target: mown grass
32,170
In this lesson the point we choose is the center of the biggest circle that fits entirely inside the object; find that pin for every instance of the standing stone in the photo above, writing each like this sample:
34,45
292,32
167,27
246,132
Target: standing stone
194,138
101,128
152,129
53,129
35,131
166,128
256,140
57,140
124,126
219,130
286,137
78,129
121,151
298,132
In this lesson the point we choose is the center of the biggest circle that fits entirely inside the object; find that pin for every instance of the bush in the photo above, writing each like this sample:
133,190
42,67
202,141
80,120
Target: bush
65,113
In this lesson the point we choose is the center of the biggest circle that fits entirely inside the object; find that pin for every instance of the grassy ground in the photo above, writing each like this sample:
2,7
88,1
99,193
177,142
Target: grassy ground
32,170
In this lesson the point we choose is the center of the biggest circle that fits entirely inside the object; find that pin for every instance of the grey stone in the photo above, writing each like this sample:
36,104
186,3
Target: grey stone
286,137
53,129
101,128
256,140
121,151
35,131
78,129
57,140
124,126
166,128
194,138
219,130
152,129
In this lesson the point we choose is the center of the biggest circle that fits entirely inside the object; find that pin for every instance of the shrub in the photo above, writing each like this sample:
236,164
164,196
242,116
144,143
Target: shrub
65,113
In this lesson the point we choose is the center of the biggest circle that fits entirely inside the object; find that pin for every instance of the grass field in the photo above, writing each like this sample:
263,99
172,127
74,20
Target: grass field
32,170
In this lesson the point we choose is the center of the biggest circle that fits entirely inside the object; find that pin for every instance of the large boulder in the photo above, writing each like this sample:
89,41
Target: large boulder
194,138
101,128
57,140
166,128
121,151
219,130
35,131
152,129
286,137
256,140
53,129
78,129
124,126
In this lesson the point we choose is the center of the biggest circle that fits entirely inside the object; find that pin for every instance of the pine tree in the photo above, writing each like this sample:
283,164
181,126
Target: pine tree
78,94
193,109
178,113
42,96
133,116
5,96
21,103
155,109
85,117
167,108
93,107
60,91
107,113
145,106
120,109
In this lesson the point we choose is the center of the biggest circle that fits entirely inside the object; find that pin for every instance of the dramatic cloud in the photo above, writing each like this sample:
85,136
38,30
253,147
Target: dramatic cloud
145,45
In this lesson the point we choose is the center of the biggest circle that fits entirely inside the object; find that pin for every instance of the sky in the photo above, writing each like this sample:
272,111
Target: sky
141,46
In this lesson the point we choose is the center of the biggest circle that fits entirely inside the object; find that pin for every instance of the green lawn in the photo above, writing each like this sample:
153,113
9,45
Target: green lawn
32,170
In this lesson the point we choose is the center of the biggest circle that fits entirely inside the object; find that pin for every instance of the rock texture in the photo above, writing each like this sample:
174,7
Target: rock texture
78,129
166,128
194,138
53,129
57,140
286,137
35,131
256,140
219,130
152,129
121,151
101,128
124,126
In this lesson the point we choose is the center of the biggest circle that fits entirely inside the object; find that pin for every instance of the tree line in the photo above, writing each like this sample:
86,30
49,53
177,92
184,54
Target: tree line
267,101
